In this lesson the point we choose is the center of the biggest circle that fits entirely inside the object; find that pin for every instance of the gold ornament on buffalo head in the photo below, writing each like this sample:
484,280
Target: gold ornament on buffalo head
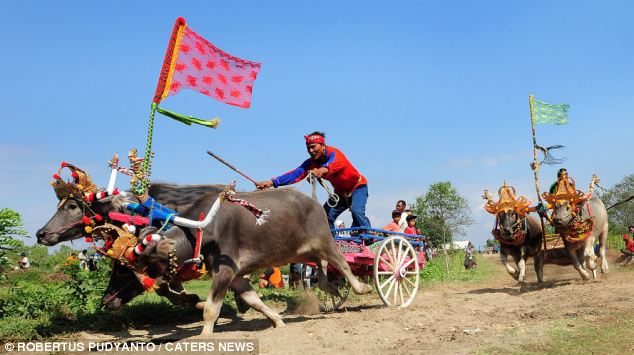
506,202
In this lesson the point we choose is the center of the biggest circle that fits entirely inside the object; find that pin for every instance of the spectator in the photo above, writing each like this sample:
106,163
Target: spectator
402,224
411,225
24,262
93,262
83,259
429,252
70,259
630,231
394,226
629,246
271,278
339,224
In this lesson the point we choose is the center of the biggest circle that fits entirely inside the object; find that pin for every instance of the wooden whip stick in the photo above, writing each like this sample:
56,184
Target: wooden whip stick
231,167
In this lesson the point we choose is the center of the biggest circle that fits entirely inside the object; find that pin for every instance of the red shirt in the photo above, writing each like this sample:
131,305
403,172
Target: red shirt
629,245
411,230
343,176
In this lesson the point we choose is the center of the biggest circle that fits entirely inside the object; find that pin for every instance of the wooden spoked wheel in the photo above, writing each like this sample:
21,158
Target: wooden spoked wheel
396,271
328,302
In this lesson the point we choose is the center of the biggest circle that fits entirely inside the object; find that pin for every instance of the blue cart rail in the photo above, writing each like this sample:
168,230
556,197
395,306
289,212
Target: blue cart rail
367,236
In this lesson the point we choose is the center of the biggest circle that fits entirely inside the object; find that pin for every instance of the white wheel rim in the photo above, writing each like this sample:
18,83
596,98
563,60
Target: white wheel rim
396,272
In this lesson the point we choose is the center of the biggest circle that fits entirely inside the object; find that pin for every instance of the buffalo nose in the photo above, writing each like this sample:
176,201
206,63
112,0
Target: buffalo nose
39,234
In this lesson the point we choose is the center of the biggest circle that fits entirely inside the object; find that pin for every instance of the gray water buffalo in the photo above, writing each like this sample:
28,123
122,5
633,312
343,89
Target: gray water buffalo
233,246
519,234
509,224
580,220
66,224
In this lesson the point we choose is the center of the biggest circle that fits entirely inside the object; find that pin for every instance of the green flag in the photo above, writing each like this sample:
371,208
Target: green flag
550,114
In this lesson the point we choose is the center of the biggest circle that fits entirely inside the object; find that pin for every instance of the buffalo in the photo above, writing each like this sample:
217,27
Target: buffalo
233,245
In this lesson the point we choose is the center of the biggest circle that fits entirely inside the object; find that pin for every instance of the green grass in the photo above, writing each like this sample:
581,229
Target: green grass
609,335
435,271
615,241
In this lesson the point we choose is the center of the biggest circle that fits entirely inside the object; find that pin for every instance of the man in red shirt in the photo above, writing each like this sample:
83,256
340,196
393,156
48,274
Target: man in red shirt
629,244
331,164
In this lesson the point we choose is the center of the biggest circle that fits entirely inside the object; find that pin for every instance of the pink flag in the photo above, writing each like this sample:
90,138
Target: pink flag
203,67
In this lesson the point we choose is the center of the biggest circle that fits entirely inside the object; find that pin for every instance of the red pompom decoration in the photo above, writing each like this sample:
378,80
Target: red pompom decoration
74,174
98,217
64,164
148,238
86,220
88,239
148,283
108,244
56,176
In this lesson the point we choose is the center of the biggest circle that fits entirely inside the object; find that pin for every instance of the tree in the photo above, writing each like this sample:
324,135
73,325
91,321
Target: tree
10,226
622,215
490,243
443,213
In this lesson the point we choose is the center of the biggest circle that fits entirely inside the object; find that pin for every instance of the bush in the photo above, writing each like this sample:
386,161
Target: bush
32,300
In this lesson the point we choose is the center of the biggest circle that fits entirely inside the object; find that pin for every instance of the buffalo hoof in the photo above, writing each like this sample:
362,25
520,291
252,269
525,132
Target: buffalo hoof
363,289
278,323
584,275
200,305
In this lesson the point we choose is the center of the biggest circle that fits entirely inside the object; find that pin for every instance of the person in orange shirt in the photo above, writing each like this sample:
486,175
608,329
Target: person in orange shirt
271,278
394,227
71,259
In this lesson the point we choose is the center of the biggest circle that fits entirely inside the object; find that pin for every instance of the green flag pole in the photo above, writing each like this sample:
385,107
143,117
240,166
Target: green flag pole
141,188
536,167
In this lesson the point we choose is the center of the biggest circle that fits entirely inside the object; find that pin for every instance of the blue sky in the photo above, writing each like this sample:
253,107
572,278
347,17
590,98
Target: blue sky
413,92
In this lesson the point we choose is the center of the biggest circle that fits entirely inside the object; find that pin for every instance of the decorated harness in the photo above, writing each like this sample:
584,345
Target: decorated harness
119,232
507,202
578,229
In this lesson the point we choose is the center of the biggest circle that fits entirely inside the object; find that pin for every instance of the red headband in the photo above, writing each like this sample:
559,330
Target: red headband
315,138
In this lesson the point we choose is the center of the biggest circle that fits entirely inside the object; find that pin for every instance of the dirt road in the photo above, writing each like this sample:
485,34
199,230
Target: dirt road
453,318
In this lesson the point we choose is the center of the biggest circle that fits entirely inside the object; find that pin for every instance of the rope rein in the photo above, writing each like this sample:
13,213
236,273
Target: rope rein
333,198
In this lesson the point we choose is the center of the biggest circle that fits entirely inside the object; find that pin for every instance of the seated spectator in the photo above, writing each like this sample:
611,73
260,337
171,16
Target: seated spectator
394,227
411,225
24,261
271,278
71,259
83,259
339,224
629,246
